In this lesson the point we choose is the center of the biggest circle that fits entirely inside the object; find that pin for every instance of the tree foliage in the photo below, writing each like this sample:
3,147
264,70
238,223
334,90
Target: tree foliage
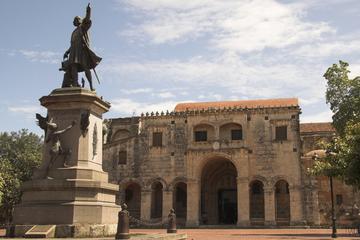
20,154
343,95
343,152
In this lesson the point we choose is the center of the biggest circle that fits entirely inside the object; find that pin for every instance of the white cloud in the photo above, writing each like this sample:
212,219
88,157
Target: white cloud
323,116
234,25
210,97
27,111
251,49
137,90
41,56
354,70
325,49
126,106
24,109
165,95
251,78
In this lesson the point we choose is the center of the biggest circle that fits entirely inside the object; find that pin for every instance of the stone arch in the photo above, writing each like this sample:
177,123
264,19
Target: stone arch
231,131
120,135
260,178
156,179
218,191
277,178
126,181
210,157
204,127
175,181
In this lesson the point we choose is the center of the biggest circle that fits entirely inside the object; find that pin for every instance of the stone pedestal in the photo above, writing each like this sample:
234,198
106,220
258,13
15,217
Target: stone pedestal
71,190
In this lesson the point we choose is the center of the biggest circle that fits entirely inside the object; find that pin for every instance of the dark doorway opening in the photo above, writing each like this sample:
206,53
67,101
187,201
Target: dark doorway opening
219,192
257,209
156,200
227,206
282,203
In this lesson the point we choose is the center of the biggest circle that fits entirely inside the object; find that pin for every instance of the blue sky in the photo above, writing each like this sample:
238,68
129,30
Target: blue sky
157,53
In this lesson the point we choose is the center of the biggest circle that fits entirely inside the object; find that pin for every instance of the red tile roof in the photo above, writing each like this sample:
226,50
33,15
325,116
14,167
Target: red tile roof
279,102
316,127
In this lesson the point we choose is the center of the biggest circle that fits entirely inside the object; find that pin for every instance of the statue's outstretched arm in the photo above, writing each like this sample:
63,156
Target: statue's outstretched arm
88,13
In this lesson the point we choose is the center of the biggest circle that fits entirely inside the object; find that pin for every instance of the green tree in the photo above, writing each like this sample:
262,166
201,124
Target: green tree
20,154
343,153
343,95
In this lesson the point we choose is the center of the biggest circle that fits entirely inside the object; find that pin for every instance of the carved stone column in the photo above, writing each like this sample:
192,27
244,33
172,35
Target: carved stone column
167,203
269,201
243,201
193,203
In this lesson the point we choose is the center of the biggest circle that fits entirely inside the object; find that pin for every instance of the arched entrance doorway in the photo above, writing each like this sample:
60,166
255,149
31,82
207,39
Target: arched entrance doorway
219,192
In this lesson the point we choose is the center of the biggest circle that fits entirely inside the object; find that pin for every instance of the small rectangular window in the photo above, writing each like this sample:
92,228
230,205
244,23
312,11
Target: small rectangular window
157,139
236,134
122,157
281,133
339,199
200,136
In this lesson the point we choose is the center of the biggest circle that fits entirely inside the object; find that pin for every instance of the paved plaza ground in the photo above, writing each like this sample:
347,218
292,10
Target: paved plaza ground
232,234
252,234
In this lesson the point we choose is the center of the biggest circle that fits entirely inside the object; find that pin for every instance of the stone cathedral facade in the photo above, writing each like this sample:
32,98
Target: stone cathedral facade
238,163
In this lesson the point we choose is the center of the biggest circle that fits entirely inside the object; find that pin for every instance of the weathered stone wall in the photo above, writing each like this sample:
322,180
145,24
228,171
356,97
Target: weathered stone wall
257,156
317,197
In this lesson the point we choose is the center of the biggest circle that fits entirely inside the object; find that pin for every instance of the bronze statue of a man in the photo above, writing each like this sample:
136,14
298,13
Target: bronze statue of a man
80,58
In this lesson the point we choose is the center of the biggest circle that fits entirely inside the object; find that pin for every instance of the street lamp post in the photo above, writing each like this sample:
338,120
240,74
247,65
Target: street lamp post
333,216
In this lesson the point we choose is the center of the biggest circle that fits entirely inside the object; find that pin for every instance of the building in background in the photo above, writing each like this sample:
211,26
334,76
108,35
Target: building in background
236,162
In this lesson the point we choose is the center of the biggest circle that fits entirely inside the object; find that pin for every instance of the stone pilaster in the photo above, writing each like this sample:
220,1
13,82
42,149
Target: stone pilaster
145,205
296,207
193,203
316,212
167,203
243,201
269,202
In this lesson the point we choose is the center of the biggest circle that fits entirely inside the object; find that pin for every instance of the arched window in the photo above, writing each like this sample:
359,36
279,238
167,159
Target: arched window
231,131
180,200
204,132
257,210
282,203
156,200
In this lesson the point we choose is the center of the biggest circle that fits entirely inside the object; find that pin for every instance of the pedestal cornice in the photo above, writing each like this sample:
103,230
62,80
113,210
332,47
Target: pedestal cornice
73,98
